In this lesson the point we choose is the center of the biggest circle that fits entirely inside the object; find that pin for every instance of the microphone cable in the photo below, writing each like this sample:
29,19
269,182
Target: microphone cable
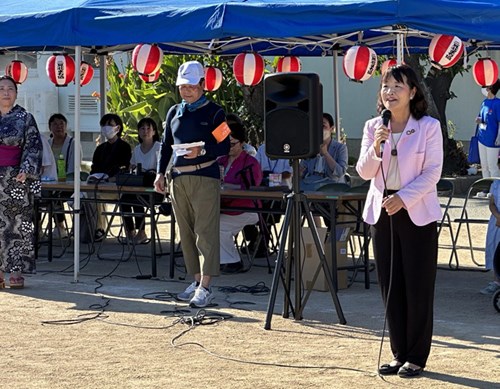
391,231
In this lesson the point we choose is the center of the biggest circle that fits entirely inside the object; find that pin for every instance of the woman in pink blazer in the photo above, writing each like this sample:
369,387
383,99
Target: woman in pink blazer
402,155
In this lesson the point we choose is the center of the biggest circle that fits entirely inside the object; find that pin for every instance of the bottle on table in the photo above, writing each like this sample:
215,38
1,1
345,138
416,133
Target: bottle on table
61,168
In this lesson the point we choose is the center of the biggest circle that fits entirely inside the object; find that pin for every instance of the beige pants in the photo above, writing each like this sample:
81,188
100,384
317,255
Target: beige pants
196,204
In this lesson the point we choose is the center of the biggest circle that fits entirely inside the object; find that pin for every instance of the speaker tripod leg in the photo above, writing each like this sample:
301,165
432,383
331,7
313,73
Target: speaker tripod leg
323,264
278,268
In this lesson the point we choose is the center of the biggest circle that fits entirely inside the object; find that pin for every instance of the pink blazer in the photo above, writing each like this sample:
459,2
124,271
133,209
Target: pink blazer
420,160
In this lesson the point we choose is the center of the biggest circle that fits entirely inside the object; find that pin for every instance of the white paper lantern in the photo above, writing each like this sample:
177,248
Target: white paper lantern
147,59
289,64
60,69
213,78
387,64
485,72
86,73
445,51
248,68
17,70
360,63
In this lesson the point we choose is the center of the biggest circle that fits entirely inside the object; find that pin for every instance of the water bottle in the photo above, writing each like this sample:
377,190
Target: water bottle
138,169
61,168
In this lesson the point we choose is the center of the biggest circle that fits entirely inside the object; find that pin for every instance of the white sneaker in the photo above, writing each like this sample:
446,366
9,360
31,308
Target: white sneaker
188,294
59,233
491,288
202,297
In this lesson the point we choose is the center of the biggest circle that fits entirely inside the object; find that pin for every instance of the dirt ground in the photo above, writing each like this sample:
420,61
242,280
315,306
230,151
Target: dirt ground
111,330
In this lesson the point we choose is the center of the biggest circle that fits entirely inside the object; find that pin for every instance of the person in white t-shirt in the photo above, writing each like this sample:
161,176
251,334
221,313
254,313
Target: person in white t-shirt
144,159
49,167
49,173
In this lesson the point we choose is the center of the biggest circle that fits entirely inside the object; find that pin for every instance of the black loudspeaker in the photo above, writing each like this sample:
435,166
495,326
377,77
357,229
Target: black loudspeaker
293,121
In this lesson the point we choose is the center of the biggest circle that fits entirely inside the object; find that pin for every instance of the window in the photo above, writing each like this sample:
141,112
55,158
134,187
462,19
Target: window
88,105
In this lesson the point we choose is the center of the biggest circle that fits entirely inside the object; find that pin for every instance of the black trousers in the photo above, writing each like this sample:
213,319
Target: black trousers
407,283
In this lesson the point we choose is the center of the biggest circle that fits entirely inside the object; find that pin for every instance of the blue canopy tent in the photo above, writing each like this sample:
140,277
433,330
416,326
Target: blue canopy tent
305,28
229,27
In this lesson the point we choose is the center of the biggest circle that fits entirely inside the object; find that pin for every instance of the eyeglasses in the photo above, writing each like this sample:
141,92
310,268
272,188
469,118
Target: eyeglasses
234,143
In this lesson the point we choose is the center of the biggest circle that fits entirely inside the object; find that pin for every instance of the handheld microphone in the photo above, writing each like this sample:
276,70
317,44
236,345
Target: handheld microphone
386,117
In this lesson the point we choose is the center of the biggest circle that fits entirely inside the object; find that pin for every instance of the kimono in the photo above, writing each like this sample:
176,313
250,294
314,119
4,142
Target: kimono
19,132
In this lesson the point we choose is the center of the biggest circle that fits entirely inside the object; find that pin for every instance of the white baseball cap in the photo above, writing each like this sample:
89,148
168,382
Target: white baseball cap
190,73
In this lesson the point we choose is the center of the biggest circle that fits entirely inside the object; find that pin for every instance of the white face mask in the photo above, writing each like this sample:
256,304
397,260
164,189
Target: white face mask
484,91
109,132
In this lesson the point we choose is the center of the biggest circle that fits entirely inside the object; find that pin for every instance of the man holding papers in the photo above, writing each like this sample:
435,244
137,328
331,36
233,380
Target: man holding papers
196,134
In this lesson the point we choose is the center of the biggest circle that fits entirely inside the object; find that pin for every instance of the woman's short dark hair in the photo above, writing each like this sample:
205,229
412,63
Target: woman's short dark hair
418,105
152,123
238,131
6,77
329,118
495,87
57,116
109,117
233,118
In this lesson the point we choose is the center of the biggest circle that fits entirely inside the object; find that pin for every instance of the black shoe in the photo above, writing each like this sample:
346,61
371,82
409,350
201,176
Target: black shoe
99,235
408,372
387,369
231,268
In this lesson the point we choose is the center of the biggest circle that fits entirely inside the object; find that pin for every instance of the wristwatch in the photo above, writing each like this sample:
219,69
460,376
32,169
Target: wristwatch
202,152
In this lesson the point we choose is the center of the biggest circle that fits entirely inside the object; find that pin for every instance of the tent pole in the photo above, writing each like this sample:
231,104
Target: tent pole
77,162
336,94
399,49
102,83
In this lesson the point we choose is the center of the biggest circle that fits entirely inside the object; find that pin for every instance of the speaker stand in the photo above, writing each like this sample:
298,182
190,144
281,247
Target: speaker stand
296,201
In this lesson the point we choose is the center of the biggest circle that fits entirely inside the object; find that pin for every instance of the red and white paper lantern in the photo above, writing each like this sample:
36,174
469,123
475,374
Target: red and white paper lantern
147,59
288,64
86,73
445,50
248,68
387,64
150,78
485,72
360,63
60,69
17,70
213,78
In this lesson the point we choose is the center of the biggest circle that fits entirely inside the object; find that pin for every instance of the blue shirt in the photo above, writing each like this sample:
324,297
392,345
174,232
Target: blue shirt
272,165
490,115
317,166
192,127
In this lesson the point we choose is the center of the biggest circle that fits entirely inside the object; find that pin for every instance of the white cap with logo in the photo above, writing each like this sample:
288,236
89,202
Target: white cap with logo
190,73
